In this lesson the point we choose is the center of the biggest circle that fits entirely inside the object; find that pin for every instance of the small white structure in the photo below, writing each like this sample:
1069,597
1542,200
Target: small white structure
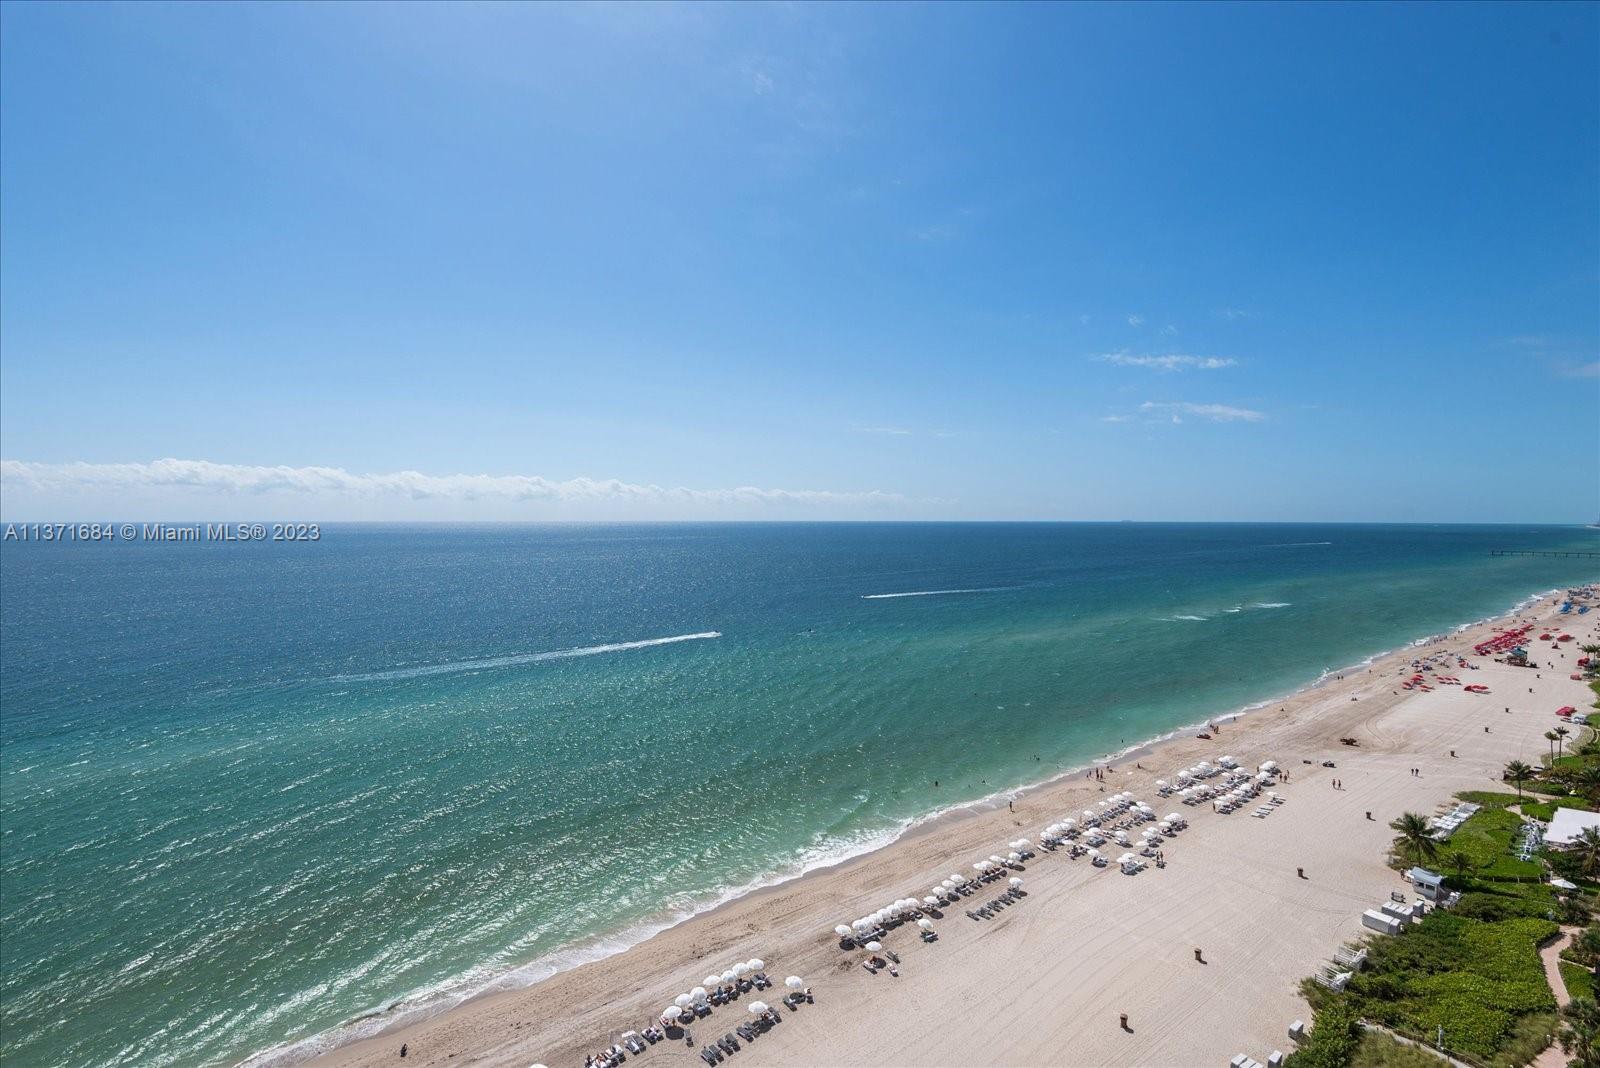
1382,922
1568,824
1401,911
1430,884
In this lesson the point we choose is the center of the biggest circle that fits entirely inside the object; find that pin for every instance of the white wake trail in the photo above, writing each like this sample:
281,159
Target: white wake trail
932,593
457,666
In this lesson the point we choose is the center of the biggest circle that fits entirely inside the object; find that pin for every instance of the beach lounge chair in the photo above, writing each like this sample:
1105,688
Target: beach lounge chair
707,1056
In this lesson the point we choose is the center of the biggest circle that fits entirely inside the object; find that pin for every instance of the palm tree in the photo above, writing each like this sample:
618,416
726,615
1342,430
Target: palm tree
1587,779
1414,839
1579,1032
1460,864
1552,737
1519,773
1586,848
1561,734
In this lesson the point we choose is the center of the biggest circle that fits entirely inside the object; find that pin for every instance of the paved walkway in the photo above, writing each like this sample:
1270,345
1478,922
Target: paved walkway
1550,953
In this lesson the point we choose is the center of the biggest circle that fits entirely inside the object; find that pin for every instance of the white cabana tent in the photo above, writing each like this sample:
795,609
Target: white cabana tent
1568,824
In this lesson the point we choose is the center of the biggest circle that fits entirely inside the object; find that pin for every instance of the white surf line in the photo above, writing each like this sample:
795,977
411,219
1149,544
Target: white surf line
457,666
932,593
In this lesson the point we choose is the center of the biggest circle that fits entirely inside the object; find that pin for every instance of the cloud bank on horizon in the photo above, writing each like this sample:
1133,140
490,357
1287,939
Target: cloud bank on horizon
173,488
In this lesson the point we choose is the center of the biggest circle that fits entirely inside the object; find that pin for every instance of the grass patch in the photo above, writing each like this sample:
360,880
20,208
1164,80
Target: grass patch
1580,983
1487,799
1378,1050
1545,811
1488,839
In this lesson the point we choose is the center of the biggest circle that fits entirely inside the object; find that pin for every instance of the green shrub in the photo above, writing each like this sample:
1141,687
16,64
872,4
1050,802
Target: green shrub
1473,977
1335,1034
1490,903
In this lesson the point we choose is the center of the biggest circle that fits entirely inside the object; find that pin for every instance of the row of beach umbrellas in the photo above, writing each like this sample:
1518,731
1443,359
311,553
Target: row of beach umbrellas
699,995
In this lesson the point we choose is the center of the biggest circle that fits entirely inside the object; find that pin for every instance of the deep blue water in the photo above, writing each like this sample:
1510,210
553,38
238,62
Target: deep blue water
253,791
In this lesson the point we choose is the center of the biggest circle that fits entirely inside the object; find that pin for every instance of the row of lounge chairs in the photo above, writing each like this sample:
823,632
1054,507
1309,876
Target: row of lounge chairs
1530,839
1444,826
992,909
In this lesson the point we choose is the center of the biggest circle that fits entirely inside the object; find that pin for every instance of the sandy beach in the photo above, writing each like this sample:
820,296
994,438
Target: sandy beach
1046,981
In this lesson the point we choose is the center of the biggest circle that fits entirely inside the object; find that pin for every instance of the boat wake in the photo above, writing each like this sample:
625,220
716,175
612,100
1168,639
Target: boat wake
457,666
1226,611
932,593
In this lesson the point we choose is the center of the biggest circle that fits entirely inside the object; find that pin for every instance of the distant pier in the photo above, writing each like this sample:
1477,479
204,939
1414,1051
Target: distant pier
1544,552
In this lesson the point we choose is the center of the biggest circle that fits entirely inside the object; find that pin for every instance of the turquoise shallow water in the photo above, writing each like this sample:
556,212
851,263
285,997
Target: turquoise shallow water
252,793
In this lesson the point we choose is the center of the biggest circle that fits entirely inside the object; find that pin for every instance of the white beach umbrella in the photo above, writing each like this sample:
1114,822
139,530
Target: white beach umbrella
958,879
925,923
842,931
794,982
1014,857
671,1012
949,884
1161,782
757,964
757,1007
730,976
994,858
1093,852
980,865
873,947
741,969
716,980
931,902
683,1001
698,994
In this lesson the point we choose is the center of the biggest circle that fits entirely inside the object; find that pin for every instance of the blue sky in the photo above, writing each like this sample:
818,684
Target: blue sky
739,261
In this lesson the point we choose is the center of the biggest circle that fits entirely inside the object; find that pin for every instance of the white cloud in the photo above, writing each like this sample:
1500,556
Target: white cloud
1116,418
1169,331
1582,370
1234,314
202,478
1135,320
1168,363
1217,413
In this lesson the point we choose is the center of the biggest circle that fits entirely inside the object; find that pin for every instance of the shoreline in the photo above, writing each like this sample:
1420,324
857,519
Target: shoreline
397,1018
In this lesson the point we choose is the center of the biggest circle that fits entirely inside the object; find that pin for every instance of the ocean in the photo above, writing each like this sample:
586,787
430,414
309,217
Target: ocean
260,796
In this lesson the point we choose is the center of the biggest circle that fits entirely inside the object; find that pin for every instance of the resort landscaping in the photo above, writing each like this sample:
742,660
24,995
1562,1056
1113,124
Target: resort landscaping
1468,979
